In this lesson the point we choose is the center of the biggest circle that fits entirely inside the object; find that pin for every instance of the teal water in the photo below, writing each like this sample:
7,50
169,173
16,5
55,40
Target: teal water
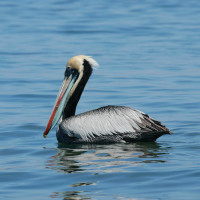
148,53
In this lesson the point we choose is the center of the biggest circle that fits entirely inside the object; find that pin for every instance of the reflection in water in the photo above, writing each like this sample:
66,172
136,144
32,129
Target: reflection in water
70,195
102,159
105,158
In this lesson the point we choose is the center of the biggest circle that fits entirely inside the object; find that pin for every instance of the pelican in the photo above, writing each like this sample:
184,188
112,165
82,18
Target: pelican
109,124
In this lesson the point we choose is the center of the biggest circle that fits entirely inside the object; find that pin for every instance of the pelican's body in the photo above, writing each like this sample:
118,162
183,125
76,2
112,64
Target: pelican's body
104,125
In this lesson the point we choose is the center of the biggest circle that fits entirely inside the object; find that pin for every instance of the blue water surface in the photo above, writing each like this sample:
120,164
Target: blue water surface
148,53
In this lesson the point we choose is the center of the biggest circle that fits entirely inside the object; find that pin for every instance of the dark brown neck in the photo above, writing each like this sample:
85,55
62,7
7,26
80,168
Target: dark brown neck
70,108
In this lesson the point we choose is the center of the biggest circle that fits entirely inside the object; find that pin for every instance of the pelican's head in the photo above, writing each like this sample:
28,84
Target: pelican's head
77,72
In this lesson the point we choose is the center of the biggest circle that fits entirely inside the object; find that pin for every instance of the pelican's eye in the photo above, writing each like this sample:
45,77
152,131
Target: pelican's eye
69,71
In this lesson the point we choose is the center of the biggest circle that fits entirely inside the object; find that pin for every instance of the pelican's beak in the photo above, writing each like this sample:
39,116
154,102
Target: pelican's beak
60,103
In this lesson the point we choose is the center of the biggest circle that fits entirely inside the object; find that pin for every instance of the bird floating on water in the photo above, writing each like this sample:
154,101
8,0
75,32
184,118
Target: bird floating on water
109,124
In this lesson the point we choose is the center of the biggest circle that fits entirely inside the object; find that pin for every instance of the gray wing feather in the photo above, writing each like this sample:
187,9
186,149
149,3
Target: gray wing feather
109,120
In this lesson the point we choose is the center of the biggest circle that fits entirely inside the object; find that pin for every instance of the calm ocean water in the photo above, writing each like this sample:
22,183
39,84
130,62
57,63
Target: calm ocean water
149,56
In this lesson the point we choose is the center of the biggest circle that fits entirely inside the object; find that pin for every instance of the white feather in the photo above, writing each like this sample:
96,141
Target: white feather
92,62
100,123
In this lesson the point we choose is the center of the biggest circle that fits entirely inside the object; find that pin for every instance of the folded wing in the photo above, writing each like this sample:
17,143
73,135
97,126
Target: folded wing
124,122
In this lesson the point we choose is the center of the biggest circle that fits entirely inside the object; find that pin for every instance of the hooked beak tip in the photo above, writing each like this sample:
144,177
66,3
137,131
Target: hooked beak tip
45,134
